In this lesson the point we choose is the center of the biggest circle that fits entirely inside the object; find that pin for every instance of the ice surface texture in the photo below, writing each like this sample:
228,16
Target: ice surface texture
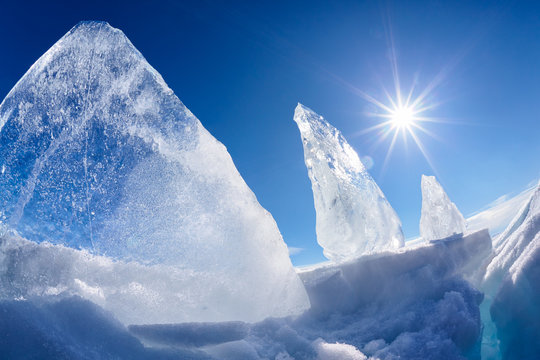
385,277
513,280
497,218
72,329
408,304
517,240
440,217
96,152
191,334
353,216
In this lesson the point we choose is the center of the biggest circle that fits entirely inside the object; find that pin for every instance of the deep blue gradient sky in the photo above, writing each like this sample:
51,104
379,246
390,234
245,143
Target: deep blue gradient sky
241,68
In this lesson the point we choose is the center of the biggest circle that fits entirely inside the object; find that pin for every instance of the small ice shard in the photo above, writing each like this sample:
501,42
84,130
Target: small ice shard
440,217
98,153
353,215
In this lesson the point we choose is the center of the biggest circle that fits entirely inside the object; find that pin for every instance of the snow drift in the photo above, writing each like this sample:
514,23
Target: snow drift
512,284
135,293
380,277
409,304
498,215
72,328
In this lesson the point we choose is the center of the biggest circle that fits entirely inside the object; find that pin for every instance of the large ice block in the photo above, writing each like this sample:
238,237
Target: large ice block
97,153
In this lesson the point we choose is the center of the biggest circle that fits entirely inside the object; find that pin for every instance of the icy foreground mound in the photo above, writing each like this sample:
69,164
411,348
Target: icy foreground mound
385,276
410,304
71,328
513,280
353,216
135,293
96,152
440,217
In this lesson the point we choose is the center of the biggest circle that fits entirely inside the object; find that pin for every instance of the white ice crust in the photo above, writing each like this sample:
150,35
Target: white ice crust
409,304
353,215
97,153
516,244
440,217
512,286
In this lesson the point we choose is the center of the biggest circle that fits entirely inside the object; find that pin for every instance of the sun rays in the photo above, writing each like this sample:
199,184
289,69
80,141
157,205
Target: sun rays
404,114
401,115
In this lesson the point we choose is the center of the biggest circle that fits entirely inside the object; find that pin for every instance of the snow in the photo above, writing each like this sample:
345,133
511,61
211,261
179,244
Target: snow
414,303
495,217
514,243
410,304
393,275
337,351
511,284
191,334
100,155
353,215
498,215
440,217
72,328
515,309
133,292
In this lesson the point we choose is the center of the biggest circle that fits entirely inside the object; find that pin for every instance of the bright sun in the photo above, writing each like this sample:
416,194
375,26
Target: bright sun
402,116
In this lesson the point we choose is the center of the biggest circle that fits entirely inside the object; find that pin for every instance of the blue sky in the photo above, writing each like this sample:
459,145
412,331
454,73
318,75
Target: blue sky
241,68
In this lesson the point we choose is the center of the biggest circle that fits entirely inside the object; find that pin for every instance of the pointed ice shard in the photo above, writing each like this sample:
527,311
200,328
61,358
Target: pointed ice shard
98,153
440,217
353,216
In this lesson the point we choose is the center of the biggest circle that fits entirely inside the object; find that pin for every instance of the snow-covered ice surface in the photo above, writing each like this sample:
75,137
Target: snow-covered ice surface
134,292
498,215
358,282
495,217
97,153
413,304
440,217
191,334
410,304
72,328
512,286
353,215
